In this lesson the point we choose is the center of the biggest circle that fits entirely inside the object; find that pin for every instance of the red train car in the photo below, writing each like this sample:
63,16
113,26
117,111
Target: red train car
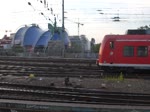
125,52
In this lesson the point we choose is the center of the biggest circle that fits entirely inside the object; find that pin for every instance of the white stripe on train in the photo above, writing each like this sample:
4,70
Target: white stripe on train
136,66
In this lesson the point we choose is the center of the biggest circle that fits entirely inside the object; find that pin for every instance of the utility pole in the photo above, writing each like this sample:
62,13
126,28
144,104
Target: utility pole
78,23
82,51
63,27
79,26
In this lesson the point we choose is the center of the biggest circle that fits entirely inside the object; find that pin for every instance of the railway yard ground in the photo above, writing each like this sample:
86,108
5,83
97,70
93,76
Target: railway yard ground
68,83
113,85
82,73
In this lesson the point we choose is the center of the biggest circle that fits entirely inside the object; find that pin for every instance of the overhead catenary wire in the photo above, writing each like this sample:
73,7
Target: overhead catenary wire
46,9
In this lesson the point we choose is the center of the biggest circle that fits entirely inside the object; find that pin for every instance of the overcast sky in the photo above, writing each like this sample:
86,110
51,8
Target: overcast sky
96,15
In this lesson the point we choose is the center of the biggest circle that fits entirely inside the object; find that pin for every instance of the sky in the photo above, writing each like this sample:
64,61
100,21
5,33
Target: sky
95,17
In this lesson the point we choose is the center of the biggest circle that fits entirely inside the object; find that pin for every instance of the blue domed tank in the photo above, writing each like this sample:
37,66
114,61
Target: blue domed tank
66,39
56,36
32,35
19,36
44,39
61,36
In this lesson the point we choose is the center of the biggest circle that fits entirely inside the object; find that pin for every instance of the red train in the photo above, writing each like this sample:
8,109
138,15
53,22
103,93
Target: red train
125,52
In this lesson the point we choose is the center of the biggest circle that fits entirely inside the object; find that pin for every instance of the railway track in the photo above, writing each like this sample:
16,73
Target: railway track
54,67
48,67
71,95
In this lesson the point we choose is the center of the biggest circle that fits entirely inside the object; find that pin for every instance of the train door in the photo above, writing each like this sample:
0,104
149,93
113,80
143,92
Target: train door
111,53
148,51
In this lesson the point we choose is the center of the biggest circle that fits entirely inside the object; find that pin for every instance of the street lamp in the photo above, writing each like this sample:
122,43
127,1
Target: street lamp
79,27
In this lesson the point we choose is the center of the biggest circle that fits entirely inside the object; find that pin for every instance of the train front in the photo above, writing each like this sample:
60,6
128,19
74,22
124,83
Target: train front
102,51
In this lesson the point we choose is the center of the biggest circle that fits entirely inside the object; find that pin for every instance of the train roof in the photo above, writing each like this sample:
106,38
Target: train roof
127,38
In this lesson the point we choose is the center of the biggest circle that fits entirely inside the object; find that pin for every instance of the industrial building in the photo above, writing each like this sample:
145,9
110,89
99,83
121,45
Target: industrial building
32,40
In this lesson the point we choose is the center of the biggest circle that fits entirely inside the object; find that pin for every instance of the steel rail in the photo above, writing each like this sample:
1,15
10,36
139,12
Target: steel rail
77,95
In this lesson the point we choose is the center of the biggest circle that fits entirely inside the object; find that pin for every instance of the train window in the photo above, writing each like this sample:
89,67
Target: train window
128,51
111,44
142,51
